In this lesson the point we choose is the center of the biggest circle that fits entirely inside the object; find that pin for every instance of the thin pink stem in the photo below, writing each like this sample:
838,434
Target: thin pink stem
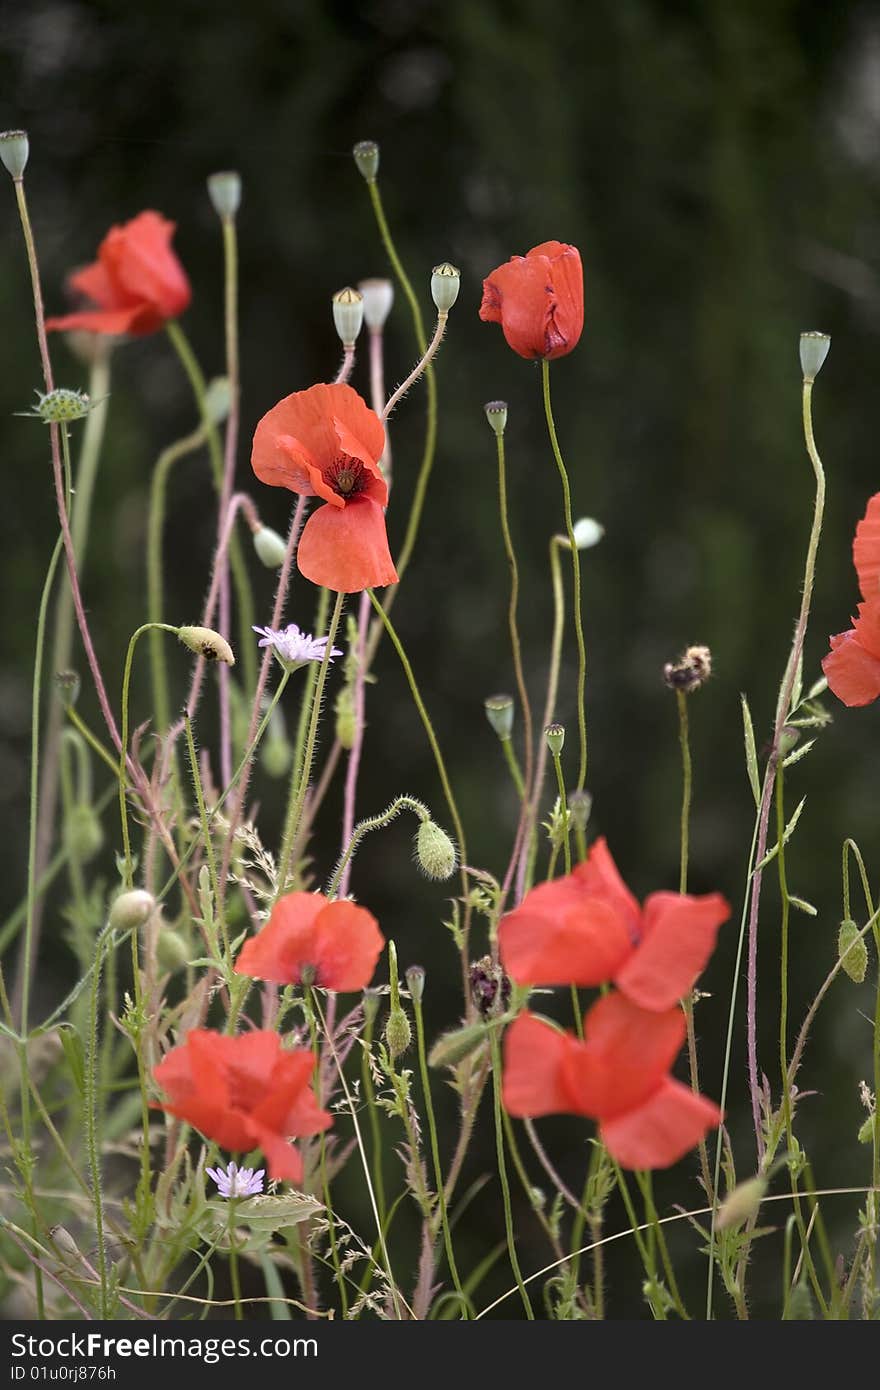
347,366
354,756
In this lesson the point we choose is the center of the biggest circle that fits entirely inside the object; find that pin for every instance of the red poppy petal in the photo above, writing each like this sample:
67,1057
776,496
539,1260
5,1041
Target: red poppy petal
567,315
663,1130
524,293
867,627
626,1053
599,876
139,259
585,947
94,282
347,550
866,549
373,485
533,1081
852,673
349,945
678,938
283,1160
285,943
285,1084
137,321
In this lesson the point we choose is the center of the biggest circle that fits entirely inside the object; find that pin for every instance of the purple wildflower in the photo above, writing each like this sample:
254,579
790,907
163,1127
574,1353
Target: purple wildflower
237,1182
294,648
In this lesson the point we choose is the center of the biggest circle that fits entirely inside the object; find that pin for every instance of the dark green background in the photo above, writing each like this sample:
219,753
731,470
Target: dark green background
717,166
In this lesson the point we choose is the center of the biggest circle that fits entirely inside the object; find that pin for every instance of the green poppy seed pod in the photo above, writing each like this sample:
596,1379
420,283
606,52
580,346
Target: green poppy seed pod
580,804
218,399
398,1033
371,1001
130,910
83,836
346,717
435,851
496,414
366,157
378,299
67,683
445,285
587,532
224,190
814,350
348,315
499,712
415,982
275,756
742,1203
204,641
171,951
452,1048
14,149
555,736
270,547
852,951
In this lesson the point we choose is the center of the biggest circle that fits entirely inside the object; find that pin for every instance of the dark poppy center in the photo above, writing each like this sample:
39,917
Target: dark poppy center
346,475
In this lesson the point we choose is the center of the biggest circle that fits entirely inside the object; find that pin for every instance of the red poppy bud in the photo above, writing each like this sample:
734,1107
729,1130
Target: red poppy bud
538,299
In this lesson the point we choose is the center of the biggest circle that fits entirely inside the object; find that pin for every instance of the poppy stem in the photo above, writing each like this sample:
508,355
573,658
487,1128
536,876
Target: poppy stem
400,803
526,872
502,1173
310,1002
420,366
576,574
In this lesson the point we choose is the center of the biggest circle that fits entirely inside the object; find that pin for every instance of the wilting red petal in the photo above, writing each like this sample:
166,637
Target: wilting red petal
538,299
852,673
94,282
625,1055
584,947
534,1053
866,549
347,550
599,876
138,258
286,943
678,937
654,1135
349,945
283,1160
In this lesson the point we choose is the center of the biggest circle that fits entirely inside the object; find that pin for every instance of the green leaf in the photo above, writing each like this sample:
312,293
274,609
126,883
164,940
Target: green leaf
786,836
798,753
266,1213
74,1052
802,905
751,751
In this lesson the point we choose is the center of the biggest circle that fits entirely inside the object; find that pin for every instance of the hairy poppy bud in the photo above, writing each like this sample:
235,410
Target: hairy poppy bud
496,414
814,350
348,315
224,190
452,1048
171,951
788,739
366,157
398,1033
415,982
14,150
346,717
270,547
499,712
445,284
555,736
742,1203
218,399
435,851
64,1243
275,755
83,836
852,951
130,910
378,299
204,641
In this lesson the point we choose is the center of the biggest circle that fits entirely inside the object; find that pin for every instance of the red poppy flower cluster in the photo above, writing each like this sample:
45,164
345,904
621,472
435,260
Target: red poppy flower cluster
852,667
326,442
589,929
334,945
137,281
538,299
245,1092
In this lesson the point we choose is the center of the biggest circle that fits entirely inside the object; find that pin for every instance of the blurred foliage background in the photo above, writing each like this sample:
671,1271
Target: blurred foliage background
717,165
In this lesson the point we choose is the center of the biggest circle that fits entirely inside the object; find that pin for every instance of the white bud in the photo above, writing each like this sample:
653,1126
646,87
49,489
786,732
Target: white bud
587,532
378,299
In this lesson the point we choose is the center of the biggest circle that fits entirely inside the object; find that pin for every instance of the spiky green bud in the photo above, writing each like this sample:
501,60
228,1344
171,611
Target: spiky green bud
435,851
852,951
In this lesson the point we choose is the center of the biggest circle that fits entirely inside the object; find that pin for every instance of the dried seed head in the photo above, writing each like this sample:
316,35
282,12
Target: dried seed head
691,670
555,737
490,987
204,641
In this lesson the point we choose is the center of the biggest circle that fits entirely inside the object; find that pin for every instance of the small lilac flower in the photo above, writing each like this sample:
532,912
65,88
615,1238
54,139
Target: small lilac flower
237,1182
294,648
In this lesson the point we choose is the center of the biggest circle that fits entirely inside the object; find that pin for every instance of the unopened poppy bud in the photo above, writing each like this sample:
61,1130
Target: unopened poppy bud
788,739
814,350
587,532
67,683
275,755
378,299
224,190
496,414
800,1303
270,547
171,951
346,717
398,1033
371,1000
742,1203
14,149
64,1243
348,314
218,399
435,851
415,982
580,804
452,1048
130,910
204,641
555,736
366,157
852,951
691,670
83,836
445,285
499,712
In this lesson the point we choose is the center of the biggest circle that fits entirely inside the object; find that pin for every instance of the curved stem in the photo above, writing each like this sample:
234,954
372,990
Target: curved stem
420,366
526,870
128,872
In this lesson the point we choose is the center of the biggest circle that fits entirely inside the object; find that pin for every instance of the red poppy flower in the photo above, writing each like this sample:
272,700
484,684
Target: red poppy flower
335,944
852,667
326,442
245,1092
587,928
618,1075
538,299
137,282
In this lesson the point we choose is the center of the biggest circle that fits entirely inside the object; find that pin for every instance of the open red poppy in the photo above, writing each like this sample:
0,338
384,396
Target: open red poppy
326,442
538,299
137,281
246,1092
333,944
618,1075
587,929
852,667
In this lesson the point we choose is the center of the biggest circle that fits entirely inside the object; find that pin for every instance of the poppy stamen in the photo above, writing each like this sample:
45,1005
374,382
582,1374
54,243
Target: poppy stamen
346,475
